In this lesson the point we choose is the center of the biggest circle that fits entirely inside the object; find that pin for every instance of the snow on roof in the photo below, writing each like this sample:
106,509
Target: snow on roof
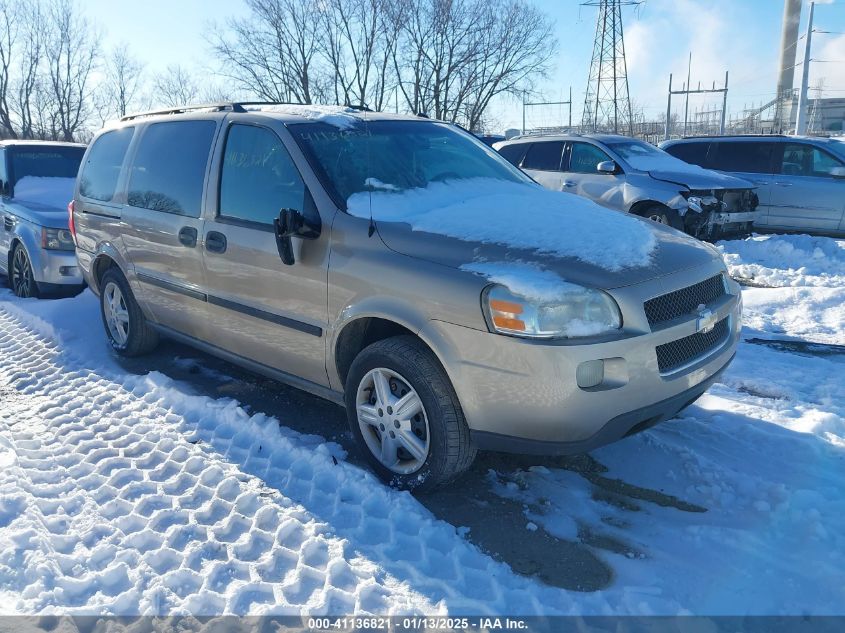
343,117
518,215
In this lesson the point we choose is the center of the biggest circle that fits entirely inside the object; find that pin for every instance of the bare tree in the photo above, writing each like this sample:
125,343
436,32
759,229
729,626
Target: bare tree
358,40
121,85
454,57
9,30
30,56
72,52
176,86
271,53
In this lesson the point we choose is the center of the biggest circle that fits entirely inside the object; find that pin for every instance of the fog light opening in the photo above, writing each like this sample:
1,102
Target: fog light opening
67,271
590,373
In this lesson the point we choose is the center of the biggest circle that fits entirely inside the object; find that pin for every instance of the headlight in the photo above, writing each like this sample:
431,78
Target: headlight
576,312
56,239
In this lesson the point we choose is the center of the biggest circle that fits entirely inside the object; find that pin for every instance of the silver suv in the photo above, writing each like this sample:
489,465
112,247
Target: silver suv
401,268
630,175
800,180
36,248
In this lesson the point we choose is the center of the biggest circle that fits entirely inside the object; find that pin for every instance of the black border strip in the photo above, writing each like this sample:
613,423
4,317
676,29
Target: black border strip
174,287
278,319
293,324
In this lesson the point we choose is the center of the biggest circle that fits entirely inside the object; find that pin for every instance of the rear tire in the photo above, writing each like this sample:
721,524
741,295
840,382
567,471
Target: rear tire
126,327
436,436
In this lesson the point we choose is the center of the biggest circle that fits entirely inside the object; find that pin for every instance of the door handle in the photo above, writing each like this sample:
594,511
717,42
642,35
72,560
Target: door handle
783,184
188,236
569,183
215,242
761,182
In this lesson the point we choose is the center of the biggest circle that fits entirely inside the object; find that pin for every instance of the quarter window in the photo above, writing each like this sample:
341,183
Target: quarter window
258,177
103,164
513,153
743,156
169,167
806,160
544,156
585,158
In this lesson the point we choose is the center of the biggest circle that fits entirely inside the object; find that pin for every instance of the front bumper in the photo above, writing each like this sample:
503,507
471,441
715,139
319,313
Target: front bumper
726,217
525,394
56,268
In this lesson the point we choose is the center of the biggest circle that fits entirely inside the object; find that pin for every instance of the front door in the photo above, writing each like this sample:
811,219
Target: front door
162,225
805,196
259,307
582,177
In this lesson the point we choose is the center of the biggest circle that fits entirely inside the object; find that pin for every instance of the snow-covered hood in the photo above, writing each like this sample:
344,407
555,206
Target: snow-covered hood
43,200
700,179
465,223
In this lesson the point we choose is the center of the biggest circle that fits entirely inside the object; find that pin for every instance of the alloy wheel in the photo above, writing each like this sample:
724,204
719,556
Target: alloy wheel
116,313
393,421
21,274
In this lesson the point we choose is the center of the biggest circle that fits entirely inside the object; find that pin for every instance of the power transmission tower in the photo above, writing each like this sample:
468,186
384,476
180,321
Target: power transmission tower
607,105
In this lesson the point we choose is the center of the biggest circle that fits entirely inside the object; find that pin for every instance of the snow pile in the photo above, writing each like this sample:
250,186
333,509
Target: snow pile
51,192
517,215
787,260
339,116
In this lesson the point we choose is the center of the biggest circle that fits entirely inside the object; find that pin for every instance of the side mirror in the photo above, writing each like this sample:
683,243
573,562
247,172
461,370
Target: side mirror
606,167
838,172
292,223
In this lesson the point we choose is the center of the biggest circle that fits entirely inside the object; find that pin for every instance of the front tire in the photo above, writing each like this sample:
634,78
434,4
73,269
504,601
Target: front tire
126,327
405,415
663,215
21,278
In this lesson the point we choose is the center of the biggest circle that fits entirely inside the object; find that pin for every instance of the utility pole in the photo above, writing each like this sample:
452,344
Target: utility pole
687,92
607,105
801,118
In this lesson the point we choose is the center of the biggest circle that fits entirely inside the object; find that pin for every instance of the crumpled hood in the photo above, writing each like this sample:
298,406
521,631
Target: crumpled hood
701,179
470,222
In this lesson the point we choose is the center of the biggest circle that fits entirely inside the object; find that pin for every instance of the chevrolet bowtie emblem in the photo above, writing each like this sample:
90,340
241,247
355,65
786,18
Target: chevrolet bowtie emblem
706,320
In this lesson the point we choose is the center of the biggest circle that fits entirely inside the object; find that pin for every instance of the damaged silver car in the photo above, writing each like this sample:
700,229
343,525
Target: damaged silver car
630,175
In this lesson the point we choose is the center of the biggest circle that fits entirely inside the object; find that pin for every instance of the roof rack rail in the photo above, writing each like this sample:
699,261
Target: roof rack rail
232,106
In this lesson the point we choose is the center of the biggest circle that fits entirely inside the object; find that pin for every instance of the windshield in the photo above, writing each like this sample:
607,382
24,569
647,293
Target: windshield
395,156
48,161
645,157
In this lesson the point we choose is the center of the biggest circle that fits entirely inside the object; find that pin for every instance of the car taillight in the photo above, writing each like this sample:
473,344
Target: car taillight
70,220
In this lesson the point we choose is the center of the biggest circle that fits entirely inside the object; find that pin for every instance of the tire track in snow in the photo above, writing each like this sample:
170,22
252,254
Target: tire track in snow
134,497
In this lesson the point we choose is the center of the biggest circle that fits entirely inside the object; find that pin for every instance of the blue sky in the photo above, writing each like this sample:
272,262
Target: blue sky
741,36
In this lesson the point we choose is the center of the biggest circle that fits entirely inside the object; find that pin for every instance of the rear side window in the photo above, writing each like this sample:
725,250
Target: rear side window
748,156
169,167
544,156
102,167
258,177
585,158
806,160
693,153
513,153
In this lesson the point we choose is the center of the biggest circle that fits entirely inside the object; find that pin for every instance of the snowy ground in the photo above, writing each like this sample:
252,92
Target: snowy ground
128,491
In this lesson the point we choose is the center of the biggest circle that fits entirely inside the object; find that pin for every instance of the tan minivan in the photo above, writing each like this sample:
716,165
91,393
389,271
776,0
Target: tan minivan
401,268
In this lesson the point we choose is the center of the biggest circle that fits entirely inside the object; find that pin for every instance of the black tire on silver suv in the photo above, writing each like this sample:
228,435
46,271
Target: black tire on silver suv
126,326
405,415
21,279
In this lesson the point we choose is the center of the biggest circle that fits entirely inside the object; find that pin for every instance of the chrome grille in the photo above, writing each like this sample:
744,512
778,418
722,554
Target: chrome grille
684,301
671,356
